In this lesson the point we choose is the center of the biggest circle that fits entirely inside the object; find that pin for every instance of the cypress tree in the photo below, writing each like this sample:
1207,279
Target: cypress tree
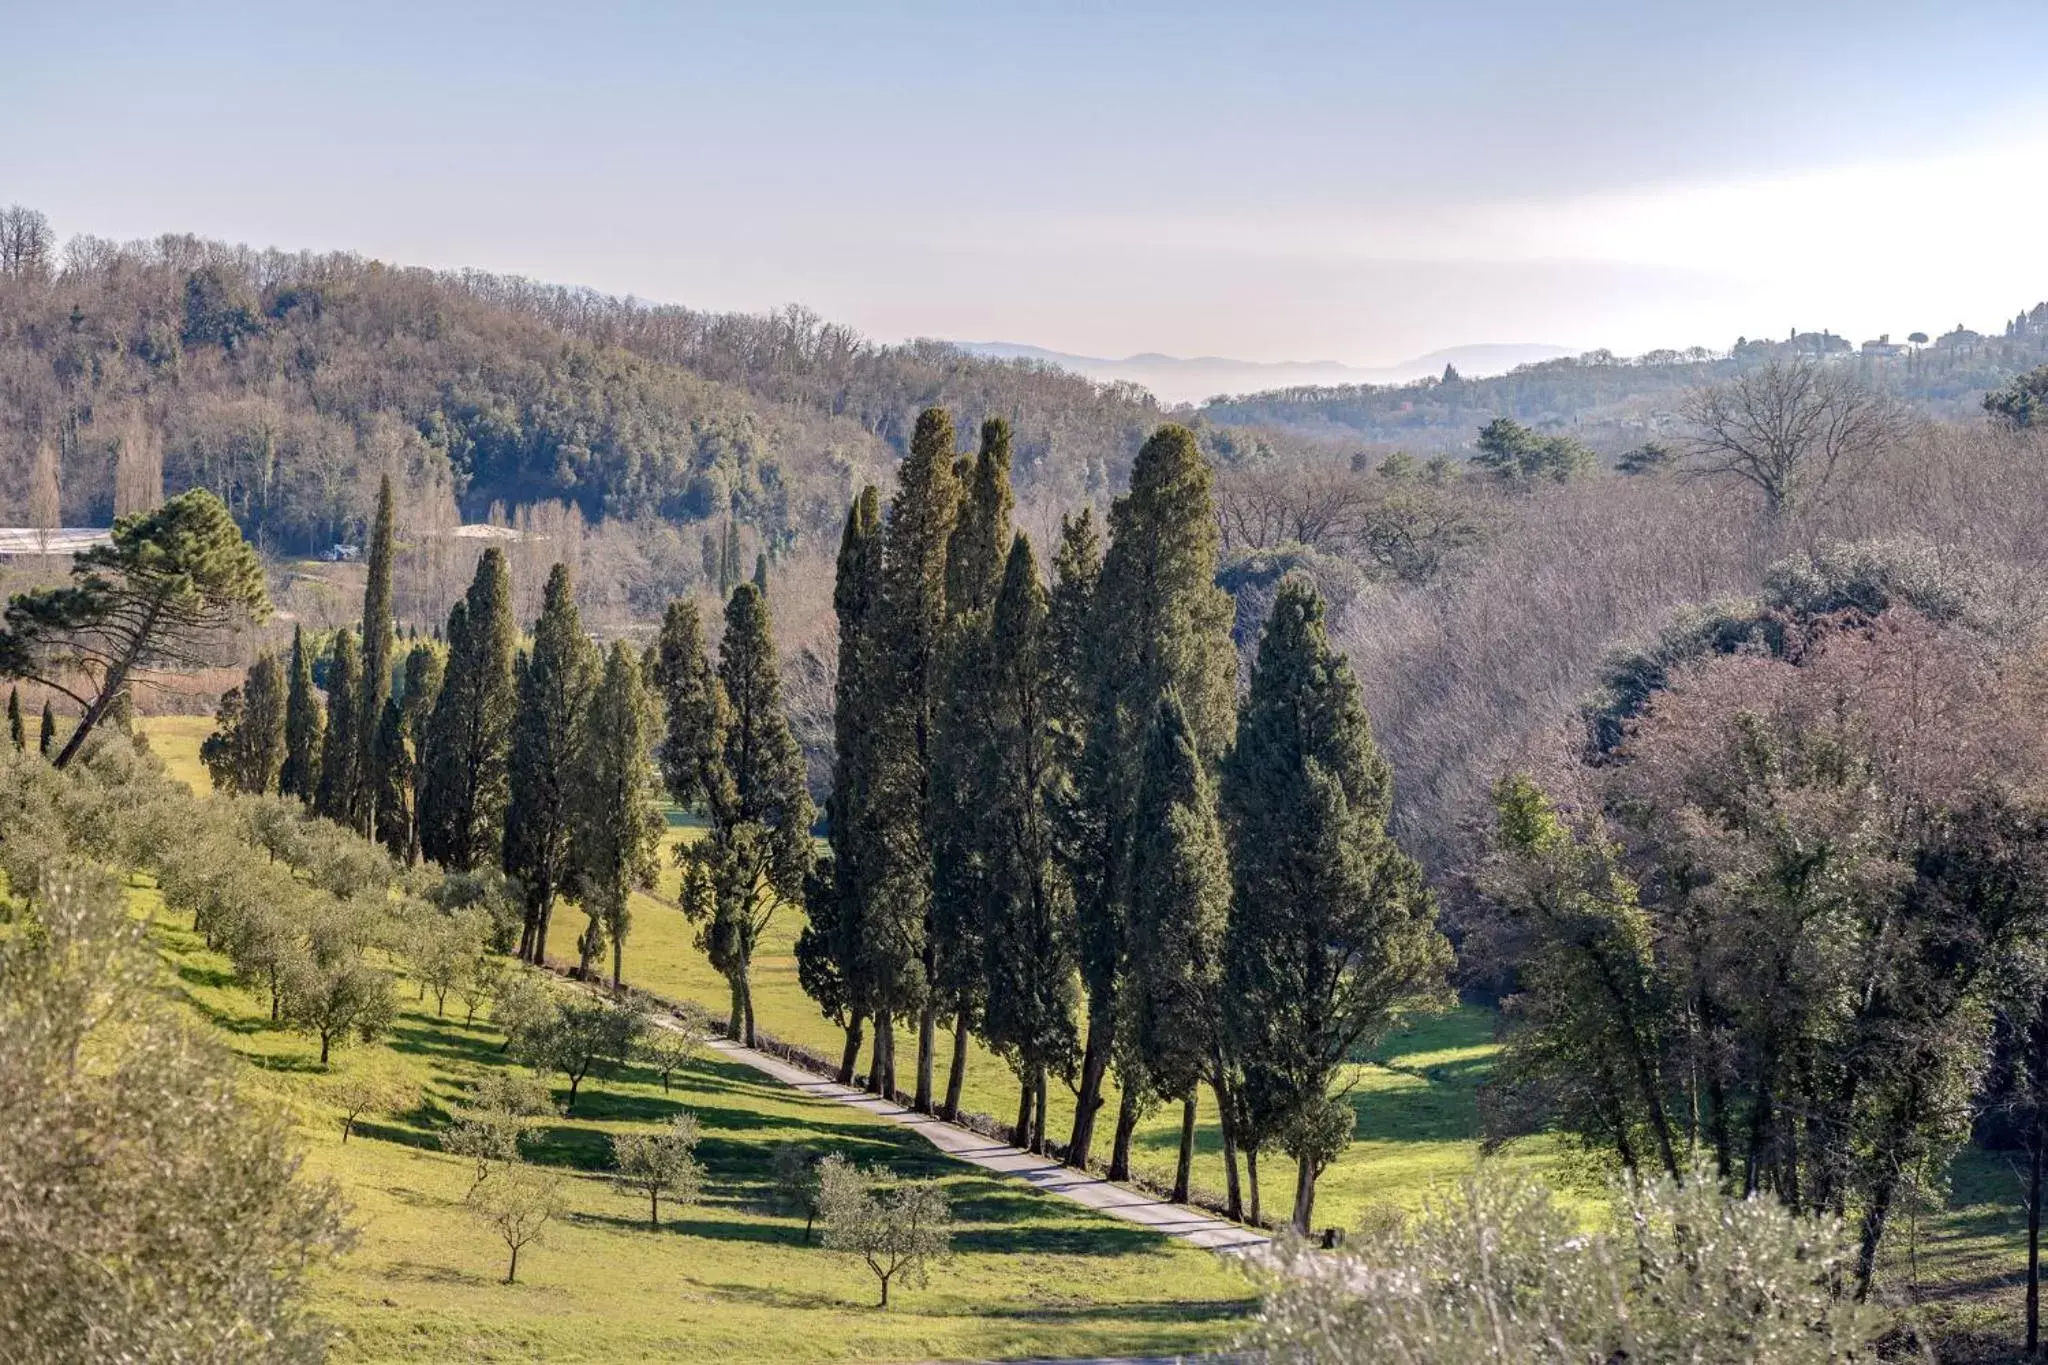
1157,623
615,830
304,726
761,573
729,560
218,751
463,794
260,740
554,684
1180,903
1028,943
401,737
975,554
1333,933
17,732
335,796
46,736
377,645
831,950
729,753
913,630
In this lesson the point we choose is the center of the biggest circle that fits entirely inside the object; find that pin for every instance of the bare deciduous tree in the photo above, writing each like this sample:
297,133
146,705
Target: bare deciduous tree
1795,430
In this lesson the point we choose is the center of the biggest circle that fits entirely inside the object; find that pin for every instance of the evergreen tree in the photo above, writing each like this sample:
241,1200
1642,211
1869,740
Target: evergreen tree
1028,943
246,749
1157,623
335,796
761,573
47,736
1333,933
729,560
912,636
730,754
218,751
831,950
615,830
401,740
17,732
377,645
554,684
1180,903
463,795
304,726
975,555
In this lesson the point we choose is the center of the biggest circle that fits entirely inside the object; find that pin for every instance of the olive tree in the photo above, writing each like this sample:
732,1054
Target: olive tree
662,1162
898,1228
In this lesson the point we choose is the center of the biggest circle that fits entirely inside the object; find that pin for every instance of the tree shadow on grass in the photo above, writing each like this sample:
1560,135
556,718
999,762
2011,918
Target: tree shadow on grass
420,1139
770,1296
198,974
418,1041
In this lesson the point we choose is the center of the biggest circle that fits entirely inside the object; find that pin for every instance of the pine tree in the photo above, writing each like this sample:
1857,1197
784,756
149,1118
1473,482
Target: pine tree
47,736
1180,903
1333,933
615,830
17,732
831,950
1028,944
1157,623
463,795
912,634
975,554
729,753
335,797
377,645
554,684
304,726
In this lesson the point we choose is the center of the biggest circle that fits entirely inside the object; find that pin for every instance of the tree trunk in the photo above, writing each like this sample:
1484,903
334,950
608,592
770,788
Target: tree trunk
540,934
736,1019
2034,1236
850,1058
927,1040
512,1273
1185,1168
1251,1175
1020,1136
747,998
1038,1118
619,967
878,1062
1233,1194
1126,1124
526,932
956,1075
324,1040
885,1291
1094,1061
1304,1195
654,1209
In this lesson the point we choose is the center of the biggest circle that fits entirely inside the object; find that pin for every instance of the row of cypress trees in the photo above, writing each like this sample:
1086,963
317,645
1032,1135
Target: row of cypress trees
17,726
1053,824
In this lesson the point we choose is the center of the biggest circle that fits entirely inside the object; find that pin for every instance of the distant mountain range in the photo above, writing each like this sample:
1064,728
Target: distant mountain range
1190,379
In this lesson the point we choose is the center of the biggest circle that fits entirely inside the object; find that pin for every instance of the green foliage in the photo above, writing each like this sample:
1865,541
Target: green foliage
1492,1272
377,643
898,1228
46,732
614,829
190,1193
1334,934
517,1205
341,753
554,682
247,749
2023,402
660,1163
305,724
17,734
465,788
579,1036
160,597
1523,458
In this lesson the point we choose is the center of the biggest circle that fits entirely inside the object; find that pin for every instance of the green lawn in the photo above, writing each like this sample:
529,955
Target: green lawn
1034,1275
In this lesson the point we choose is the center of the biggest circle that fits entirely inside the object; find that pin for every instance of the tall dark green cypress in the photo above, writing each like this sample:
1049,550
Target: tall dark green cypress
729,752
831,951
462,801
47,735
913,632
17,731
554,685
1180,904
761,573
1028,939
401,736
304,726
1333,933
1157,624
729,559
975,555
335,796
615,831
377,645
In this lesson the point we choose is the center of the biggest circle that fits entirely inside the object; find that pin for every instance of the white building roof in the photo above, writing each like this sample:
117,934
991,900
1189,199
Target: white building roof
63,540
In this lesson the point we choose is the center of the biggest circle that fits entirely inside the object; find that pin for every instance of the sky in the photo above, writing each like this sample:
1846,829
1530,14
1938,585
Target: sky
1357,182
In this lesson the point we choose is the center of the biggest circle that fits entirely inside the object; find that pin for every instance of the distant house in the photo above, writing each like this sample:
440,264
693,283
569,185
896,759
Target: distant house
21,541
478,530
1961,338
340,554
1884,348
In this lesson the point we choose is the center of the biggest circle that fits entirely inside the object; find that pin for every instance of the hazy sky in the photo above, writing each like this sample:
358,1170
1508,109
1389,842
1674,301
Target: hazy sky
1273,180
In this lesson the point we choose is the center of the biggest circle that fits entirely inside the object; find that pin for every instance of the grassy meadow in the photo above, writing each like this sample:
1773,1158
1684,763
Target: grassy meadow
1960,1253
